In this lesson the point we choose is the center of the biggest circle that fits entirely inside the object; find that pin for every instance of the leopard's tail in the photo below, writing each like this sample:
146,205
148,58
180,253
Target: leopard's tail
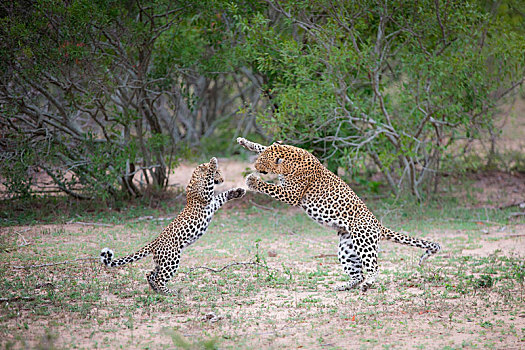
431,247
106,256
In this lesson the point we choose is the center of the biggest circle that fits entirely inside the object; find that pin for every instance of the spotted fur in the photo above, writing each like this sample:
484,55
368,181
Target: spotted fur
328,200
184,230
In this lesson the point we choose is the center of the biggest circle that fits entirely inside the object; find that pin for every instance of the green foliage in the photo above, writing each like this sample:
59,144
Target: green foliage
105,87
15,171
400,83
485,281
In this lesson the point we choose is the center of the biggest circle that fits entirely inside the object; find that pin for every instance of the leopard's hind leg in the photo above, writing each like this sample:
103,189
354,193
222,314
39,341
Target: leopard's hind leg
366,234
152,277
369,257
167,263
352,264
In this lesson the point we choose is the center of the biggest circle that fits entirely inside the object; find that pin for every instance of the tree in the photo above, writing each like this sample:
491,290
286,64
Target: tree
395,82
96,92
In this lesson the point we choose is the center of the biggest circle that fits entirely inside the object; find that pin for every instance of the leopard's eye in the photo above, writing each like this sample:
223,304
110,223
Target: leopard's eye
278,161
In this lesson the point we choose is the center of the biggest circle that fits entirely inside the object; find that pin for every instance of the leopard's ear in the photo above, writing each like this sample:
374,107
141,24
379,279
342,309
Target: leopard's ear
278,143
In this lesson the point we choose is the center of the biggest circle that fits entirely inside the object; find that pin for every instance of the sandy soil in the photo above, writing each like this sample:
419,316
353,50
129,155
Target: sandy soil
399,316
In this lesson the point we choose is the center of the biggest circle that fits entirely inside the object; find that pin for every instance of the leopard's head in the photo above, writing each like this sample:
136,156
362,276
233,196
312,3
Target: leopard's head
284,160
198,184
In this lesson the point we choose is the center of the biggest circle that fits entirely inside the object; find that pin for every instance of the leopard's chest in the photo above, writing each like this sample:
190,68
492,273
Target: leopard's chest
198,227
331,208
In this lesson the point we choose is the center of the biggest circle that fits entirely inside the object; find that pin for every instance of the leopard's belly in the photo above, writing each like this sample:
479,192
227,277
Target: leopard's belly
325,213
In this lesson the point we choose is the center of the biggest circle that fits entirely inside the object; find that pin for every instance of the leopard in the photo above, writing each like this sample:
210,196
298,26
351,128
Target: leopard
187,227
303,181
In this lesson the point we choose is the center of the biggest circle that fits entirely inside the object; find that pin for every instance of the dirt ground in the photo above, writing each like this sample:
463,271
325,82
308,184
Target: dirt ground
290,303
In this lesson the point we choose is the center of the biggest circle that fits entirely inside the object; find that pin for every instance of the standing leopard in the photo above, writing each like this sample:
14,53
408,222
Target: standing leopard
328,200
185,229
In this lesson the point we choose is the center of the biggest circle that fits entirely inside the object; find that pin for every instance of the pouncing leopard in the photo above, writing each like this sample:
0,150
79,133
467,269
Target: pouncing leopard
328,200
185,229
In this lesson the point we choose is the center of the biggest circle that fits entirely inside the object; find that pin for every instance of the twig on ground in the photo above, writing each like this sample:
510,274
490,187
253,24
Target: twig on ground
227,266
23,238
515,204
484,222
8,300
150,217
211,317
512,215
262,206
168,218
51,264
476,221
324,255
88,223
23,231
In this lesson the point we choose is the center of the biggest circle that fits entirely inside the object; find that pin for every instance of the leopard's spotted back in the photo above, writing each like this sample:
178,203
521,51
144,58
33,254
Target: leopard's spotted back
185,229
328,200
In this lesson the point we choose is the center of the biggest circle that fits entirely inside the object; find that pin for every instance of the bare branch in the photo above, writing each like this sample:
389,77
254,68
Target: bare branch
251,263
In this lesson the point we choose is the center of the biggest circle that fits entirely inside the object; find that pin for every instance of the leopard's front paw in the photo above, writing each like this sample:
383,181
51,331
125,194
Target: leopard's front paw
241,141
252,181
236,193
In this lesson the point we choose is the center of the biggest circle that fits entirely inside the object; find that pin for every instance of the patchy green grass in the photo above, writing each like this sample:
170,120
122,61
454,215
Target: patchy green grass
470,295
